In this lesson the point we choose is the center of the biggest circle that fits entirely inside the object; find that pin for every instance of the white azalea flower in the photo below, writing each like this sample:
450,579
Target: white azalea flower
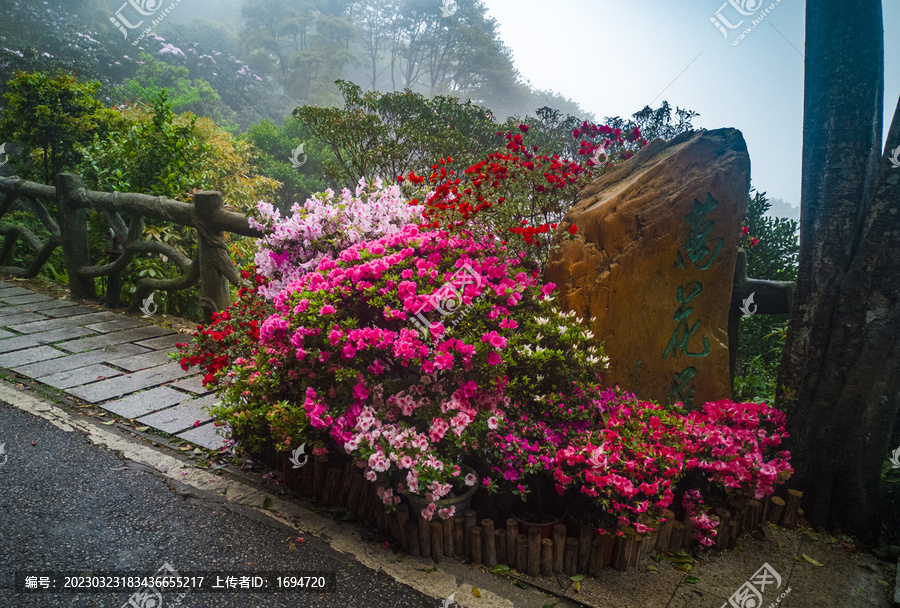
541,320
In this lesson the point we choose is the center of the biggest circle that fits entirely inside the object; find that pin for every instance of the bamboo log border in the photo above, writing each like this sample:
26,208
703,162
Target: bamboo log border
579,550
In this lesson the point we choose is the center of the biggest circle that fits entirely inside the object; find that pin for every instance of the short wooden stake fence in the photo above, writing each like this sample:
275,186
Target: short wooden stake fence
567,551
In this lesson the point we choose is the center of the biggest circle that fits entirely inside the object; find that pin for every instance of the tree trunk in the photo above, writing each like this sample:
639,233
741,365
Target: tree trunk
840,375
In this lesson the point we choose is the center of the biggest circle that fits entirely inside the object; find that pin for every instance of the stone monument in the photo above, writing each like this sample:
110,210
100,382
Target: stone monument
653,264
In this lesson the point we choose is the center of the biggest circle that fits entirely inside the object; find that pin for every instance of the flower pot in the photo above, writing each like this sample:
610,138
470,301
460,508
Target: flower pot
545,526
461,502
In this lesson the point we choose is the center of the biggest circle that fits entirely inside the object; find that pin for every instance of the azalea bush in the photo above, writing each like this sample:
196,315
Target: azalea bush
291,245
517,193
631,463
231,334
323,226
403,352
521,443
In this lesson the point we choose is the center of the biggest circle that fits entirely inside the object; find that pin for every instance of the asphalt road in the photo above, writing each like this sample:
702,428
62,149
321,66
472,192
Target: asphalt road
66,505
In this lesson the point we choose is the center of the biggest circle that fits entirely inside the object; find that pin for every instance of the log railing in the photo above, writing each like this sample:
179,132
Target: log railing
211,267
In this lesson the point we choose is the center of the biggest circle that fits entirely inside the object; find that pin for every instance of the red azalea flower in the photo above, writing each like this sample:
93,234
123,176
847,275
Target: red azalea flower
745,230
523,128
573,229
754,241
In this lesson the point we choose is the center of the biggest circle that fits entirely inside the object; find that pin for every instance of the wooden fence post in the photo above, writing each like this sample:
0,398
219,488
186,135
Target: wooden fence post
72,219
212,253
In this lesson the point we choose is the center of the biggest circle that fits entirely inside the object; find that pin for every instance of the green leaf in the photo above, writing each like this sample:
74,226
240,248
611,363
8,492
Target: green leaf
693,580
811,560
652,568
521,585
577,577
141,428
549,605
427,570
499,569
267,502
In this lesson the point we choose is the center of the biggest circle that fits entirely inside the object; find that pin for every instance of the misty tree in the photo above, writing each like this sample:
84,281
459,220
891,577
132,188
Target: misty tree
269,28
389,134
376,27
304,43
840,375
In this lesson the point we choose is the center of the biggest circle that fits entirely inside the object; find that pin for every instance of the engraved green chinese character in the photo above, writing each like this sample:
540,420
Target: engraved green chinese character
679,391
680,342
696,246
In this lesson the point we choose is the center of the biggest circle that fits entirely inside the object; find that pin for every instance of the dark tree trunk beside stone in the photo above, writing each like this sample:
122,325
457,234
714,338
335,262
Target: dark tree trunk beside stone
840,374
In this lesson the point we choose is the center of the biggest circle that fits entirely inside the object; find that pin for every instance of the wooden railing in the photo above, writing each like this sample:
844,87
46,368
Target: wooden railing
211,267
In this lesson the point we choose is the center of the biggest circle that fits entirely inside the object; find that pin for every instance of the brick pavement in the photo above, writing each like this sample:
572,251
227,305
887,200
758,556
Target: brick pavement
115,362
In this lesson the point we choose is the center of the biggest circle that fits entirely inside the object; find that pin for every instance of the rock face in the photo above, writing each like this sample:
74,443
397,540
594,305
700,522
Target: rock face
653,264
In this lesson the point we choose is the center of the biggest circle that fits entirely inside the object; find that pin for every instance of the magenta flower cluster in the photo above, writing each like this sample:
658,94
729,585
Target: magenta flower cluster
400,350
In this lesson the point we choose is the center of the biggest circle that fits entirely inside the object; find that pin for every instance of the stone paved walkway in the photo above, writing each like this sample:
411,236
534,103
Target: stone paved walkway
115,362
